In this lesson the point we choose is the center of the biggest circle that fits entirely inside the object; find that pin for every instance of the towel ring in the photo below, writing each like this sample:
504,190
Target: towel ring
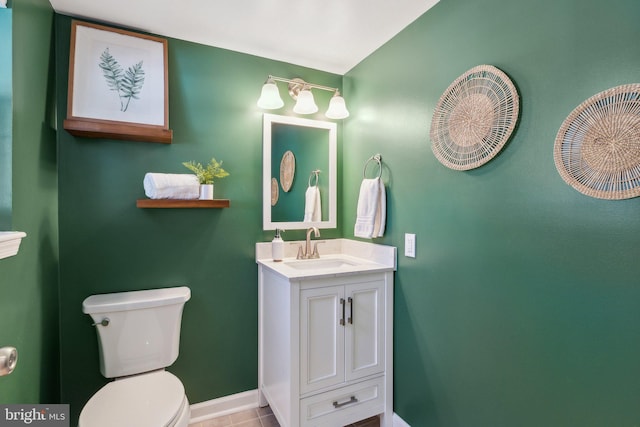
375,158
316,174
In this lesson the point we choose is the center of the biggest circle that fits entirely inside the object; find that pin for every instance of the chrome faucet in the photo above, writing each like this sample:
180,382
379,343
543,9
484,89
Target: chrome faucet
307,252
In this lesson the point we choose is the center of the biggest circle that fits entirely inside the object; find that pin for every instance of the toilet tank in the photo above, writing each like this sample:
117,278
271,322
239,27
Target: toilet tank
138,331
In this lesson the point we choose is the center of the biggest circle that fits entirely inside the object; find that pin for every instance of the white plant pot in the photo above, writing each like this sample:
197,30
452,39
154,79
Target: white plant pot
206,191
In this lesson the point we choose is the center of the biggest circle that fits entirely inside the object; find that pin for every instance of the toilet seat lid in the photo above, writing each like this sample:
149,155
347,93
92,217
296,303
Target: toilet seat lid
146,400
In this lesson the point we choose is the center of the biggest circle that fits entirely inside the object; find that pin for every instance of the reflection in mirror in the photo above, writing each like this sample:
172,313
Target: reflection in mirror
310,149
309,201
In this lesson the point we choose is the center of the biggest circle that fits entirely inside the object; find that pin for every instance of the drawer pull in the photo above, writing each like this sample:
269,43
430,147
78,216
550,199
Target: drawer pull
342,304
340,405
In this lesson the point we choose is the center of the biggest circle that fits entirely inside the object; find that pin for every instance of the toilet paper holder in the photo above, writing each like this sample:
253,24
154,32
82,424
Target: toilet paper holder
8,360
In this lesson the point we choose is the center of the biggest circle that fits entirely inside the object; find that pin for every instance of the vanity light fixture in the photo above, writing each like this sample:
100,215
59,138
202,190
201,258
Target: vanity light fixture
301,92
337,107
305,104
270,97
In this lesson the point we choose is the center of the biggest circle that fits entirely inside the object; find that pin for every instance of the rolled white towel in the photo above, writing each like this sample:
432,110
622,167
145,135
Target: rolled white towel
171,186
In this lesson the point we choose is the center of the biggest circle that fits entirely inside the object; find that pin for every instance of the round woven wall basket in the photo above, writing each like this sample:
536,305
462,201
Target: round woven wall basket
474,118
597,149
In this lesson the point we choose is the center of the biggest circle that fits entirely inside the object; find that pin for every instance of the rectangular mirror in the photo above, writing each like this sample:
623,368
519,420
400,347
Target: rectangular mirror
295,197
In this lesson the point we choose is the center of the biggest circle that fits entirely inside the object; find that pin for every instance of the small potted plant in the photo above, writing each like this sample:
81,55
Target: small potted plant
206,175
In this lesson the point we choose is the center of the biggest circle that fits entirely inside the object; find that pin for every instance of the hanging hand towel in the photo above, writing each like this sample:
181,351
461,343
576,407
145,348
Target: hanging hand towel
371,215
171,186
381,211
312,205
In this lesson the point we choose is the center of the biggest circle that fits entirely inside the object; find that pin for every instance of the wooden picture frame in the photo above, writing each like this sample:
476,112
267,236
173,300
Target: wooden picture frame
118,85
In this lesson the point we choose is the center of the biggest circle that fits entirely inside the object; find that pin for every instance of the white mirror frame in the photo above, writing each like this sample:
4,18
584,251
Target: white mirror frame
267,223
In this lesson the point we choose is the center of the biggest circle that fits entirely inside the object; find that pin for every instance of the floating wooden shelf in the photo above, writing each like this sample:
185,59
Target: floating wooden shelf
113,130
172,203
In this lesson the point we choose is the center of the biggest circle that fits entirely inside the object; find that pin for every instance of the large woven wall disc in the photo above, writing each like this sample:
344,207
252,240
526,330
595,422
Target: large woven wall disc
597,149
474,118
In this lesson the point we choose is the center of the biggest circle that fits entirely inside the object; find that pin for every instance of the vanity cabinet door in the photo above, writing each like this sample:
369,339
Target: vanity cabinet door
321,338
341,334
364,331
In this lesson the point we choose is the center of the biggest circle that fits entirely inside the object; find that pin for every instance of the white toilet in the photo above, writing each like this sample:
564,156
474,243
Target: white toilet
138,336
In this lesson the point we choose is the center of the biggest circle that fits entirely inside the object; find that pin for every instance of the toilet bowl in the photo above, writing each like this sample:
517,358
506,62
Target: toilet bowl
138,336
155,399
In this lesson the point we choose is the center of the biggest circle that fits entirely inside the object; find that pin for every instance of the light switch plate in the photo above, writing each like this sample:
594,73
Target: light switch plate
410,245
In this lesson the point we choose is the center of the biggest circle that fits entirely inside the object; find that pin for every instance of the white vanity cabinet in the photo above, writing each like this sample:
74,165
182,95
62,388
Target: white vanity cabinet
342,333
325,345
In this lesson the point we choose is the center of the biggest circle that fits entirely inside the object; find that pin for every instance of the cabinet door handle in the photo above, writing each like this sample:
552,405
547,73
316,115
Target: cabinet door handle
349,402
350,319
342,304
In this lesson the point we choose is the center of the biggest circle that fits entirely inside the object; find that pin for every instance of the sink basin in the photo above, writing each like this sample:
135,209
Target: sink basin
319,263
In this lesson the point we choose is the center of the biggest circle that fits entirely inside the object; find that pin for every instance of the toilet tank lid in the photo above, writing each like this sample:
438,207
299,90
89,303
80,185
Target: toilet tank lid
132,300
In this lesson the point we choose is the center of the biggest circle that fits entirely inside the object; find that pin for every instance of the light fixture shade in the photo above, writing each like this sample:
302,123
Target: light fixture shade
337,108
270,96
305,104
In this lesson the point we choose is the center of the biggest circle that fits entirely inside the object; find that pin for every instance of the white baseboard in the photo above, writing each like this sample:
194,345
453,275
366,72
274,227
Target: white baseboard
223,406
241,402
399,422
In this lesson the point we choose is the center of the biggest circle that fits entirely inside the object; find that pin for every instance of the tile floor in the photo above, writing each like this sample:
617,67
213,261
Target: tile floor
263,417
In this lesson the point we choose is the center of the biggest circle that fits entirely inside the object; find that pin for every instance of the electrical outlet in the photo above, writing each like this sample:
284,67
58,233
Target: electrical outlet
410,245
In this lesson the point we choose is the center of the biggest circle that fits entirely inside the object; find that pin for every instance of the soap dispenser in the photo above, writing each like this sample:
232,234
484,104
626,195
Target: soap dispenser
277,246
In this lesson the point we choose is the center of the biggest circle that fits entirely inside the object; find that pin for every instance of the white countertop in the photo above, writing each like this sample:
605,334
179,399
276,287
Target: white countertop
337,257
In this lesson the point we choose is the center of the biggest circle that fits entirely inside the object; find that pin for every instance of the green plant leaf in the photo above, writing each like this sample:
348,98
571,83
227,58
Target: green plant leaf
127,84
207,175
112,72
132,82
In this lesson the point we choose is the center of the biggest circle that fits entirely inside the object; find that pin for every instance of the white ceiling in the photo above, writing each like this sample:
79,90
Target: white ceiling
328,35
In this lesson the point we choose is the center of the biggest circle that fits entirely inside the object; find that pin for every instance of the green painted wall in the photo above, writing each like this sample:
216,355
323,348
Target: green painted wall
28,281
522,307
109,245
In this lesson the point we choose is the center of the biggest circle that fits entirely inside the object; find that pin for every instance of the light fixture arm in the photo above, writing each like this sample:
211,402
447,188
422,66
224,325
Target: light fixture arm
304,84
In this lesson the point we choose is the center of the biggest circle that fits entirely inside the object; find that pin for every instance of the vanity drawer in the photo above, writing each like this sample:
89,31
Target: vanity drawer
343,406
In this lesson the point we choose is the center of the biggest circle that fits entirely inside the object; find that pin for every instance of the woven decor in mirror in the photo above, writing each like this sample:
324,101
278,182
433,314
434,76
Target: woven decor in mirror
474,118
275,191
287,170
597,149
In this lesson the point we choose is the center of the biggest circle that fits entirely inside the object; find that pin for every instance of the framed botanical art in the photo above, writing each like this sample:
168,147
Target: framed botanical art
118,85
